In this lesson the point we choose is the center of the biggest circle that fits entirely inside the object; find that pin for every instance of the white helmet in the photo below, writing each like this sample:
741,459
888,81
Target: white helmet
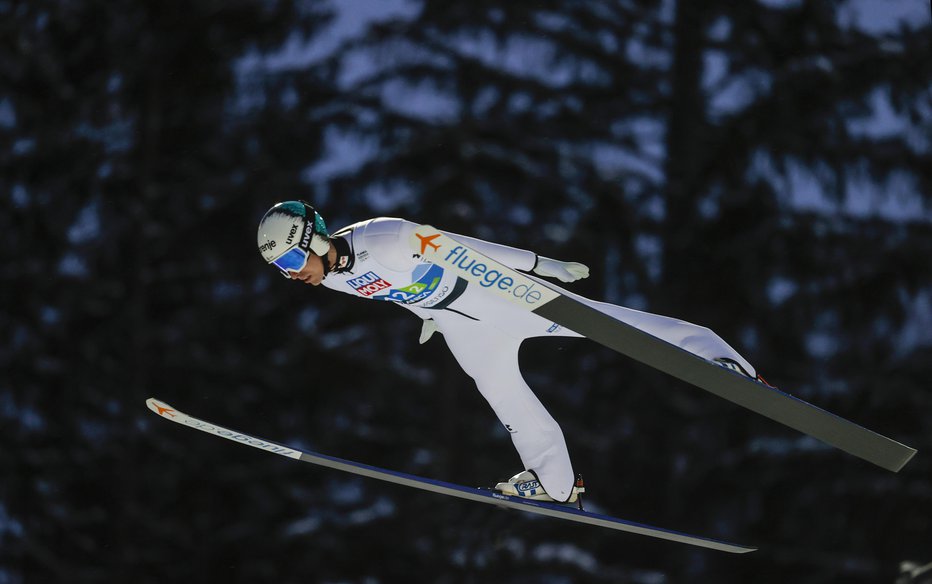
289,232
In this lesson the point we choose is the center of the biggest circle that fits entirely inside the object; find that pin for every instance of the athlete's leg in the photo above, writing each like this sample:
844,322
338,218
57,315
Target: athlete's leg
490,357
696,339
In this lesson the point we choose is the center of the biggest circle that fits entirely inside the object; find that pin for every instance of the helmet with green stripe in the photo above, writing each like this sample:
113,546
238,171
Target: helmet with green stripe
289,232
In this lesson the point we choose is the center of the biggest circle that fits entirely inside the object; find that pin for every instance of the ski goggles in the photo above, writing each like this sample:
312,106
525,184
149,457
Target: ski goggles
293,259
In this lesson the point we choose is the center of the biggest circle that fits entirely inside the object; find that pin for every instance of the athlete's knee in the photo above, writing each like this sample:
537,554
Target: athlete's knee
501,382
699,339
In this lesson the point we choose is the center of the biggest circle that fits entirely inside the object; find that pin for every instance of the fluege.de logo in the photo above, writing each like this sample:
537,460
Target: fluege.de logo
459,258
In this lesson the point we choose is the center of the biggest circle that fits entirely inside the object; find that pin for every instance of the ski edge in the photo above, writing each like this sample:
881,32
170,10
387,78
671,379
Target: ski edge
170,413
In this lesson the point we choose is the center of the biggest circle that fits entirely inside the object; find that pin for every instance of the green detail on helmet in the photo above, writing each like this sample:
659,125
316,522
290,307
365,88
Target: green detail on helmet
293,207
319,225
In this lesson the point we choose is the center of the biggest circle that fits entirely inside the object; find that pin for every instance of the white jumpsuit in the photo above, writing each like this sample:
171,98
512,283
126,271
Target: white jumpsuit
484,331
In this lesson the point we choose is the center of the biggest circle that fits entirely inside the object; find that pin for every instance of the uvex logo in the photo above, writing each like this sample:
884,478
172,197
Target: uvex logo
306,238
294,229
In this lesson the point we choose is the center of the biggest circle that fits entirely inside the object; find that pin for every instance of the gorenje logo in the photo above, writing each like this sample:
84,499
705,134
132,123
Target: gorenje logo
459,258
368,284
267,246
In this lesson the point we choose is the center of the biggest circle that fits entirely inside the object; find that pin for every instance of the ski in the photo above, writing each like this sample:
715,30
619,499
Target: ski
453,490
542,299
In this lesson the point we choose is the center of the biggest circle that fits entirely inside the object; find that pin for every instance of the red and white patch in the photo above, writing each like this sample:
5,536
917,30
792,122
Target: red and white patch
368,284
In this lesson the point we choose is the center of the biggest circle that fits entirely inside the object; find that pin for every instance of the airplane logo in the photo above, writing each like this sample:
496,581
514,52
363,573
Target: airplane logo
163,411
425,241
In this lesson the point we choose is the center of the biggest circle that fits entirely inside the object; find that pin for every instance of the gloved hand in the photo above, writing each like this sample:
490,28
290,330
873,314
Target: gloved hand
427,330
563,271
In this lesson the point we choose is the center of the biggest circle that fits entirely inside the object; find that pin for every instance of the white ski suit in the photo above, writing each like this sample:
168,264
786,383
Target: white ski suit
484,331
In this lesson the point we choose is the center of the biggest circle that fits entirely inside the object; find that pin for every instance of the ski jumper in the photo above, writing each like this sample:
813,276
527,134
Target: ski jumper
484,332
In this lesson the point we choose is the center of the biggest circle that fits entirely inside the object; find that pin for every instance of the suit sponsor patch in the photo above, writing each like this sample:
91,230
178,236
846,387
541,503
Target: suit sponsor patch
426,281
368,284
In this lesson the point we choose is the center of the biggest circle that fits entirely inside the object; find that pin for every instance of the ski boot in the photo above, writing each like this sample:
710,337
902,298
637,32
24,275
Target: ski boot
735,366
526,485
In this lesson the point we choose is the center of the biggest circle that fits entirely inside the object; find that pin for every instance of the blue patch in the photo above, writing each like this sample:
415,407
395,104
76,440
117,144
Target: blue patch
426,281
528,486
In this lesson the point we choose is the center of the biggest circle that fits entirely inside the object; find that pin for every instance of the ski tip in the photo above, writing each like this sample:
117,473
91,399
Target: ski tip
161,408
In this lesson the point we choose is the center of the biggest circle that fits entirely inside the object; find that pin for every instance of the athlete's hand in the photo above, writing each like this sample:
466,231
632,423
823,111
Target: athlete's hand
563,271
427,330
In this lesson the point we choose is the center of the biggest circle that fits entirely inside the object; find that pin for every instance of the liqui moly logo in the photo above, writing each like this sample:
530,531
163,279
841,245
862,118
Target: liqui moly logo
368,284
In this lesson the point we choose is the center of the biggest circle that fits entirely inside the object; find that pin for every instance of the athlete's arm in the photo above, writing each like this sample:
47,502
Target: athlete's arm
515,258
518,259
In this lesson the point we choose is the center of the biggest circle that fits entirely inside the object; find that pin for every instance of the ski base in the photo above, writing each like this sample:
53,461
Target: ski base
556,510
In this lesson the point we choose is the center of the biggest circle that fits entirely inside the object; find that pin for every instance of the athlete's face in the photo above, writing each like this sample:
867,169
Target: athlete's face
312,273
